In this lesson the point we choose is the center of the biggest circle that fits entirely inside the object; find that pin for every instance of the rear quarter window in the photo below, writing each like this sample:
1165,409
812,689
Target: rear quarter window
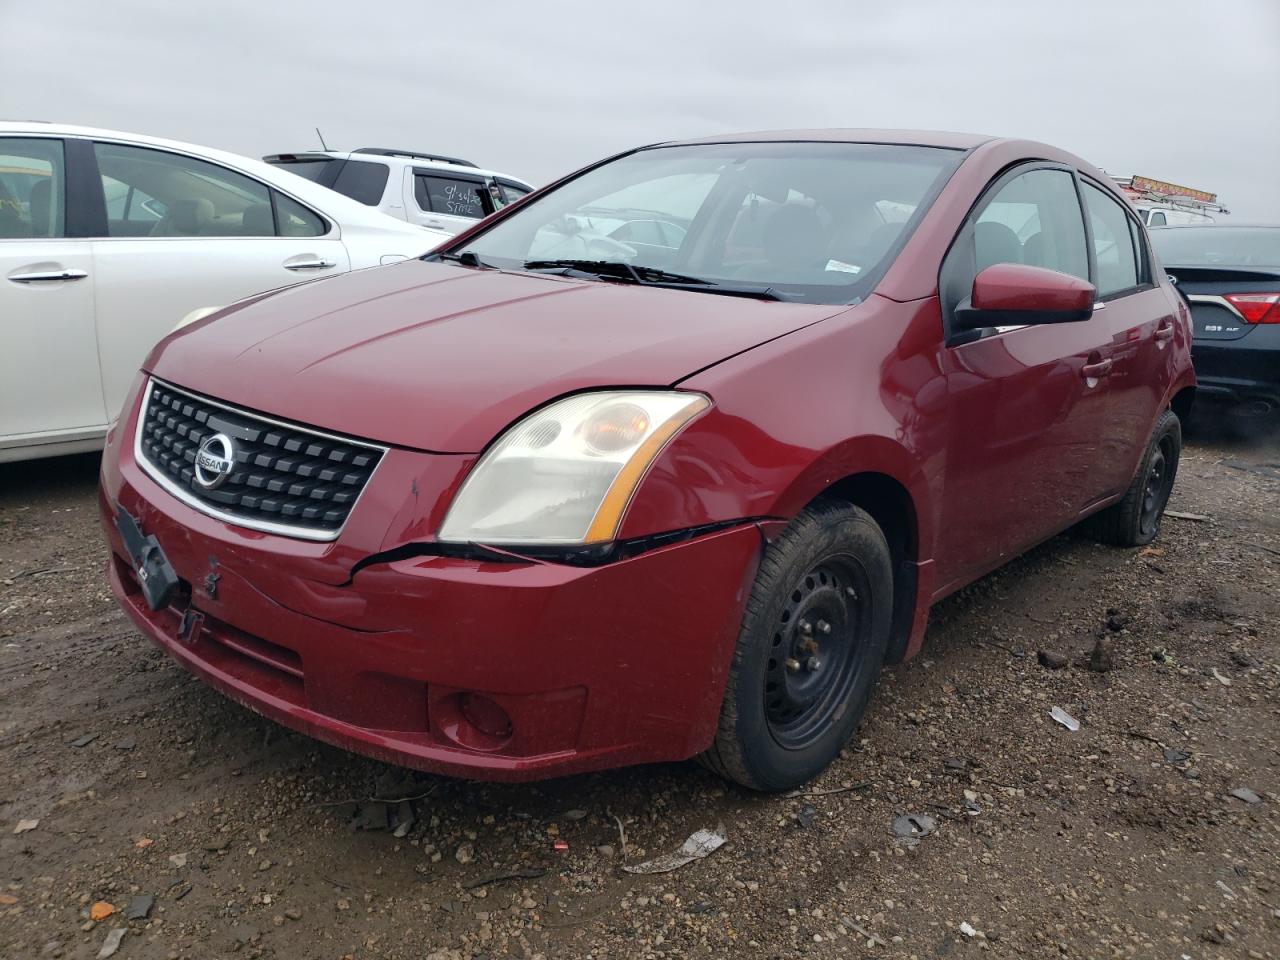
363,181
295,220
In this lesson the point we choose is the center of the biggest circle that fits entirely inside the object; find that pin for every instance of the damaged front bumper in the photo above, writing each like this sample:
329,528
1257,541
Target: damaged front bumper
503,668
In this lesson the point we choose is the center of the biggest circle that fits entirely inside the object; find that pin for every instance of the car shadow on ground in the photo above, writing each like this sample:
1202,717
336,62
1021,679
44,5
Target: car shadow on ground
1218,426
29,480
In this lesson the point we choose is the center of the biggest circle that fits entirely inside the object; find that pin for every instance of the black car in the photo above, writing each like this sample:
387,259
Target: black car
1231,276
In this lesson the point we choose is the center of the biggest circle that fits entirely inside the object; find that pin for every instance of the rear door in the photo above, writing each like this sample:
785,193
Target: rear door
446,200
1026,404
49,386
1140,319
181,233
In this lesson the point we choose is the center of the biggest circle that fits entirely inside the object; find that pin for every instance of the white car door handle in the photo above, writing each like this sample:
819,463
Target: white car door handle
48,276
315,264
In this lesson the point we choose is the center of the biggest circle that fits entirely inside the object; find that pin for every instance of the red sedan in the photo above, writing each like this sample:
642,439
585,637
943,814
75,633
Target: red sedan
663,461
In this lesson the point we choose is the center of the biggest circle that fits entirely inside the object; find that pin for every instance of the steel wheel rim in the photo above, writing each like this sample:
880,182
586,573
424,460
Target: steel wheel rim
1157,486
816,653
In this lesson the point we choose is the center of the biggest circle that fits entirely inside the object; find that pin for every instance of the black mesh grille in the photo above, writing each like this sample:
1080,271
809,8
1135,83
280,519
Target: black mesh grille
283,474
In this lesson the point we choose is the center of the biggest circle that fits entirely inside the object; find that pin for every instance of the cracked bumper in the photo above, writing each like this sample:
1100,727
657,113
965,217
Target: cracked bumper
594,666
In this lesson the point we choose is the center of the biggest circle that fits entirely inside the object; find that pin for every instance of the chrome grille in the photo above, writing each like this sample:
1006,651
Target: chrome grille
284,478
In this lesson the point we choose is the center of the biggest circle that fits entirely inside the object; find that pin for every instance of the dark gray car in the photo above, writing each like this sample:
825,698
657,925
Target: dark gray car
1231,276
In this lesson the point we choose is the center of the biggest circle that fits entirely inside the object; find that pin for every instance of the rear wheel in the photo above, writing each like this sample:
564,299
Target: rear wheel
811,646
1135,520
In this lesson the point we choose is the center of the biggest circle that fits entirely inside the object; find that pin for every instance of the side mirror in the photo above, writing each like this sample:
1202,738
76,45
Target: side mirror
1015,294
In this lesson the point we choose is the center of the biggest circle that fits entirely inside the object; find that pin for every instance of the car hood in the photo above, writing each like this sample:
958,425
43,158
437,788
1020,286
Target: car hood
441,358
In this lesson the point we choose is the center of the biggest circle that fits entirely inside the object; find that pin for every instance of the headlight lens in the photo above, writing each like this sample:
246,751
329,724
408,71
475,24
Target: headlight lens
566,473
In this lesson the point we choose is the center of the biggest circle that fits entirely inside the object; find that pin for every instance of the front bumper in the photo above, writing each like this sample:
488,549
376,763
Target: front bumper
593,666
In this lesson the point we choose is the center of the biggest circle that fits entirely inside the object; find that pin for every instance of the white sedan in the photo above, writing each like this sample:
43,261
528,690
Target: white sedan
108,240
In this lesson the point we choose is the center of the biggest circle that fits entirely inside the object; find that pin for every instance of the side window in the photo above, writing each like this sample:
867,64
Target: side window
131,206
1143,252
32,188
452,197
1113,247
295,220
364,181
1033,218
194,198
513,193
1158,218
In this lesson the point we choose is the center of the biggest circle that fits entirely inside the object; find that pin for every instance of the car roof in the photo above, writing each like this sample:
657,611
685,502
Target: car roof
409,158
334,205
925,138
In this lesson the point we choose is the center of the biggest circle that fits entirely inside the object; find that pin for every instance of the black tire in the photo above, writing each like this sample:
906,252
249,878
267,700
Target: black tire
1135,520
782,720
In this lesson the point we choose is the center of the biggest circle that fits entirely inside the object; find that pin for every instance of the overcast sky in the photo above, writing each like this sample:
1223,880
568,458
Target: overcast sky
1180,90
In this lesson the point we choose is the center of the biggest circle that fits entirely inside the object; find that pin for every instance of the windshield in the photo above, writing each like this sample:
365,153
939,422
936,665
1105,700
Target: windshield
804,221
1219,246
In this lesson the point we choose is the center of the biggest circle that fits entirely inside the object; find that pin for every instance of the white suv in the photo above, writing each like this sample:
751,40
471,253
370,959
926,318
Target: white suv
444,193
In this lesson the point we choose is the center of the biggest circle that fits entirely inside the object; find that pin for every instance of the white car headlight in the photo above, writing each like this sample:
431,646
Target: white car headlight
565,474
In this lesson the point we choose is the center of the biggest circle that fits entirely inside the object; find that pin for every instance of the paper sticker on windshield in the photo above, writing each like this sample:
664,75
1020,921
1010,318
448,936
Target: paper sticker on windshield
842,267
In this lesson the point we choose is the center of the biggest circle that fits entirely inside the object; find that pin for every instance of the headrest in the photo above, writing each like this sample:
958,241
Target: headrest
770,179
186,217
794,235
995,243
257,221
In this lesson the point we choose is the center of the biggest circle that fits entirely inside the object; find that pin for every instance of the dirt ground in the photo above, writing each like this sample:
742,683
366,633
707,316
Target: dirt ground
1122,839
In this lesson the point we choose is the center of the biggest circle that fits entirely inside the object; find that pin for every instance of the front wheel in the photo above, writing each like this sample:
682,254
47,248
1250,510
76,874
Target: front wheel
811,646
1135,520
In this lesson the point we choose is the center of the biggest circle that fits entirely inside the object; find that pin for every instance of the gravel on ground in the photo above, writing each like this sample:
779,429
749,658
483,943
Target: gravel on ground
176,824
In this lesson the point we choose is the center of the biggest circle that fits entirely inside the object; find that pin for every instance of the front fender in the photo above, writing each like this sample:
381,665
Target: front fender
860,392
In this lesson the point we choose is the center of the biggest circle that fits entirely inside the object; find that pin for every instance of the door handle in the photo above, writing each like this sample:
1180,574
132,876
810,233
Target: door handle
1096,371
1164,332
316,264
48,276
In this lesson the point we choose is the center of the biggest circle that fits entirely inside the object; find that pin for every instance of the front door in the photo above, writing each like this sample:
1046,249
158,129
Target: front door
1026,404
49,386
182,233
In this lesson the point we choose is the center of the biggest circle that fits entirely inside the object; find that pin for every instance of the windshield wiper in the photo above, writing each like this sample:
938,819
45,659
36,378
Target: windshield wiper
655,277
617,268
466,258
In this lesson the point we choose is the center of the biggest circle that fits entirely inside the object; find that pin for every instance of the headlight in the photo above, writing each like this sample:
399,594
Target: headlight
566,473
